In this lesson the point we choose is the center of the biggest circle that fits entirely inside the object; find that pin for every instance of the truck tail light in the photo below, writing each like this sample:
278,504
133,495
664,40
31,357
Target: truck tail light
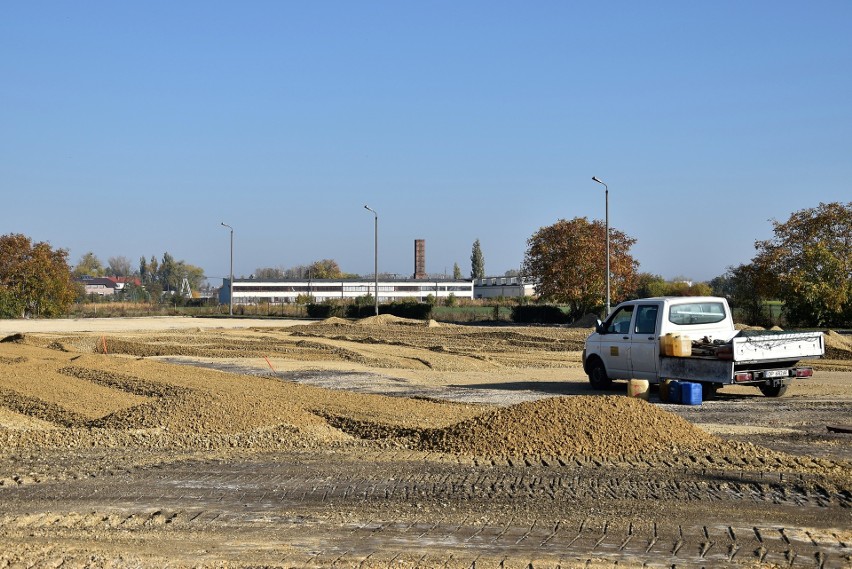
804,372
743,376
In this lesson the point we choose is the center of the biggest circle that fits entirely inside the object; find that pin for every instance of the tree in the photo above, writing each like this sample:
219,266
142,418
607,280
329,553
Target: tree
268,274
808,262
650,285
89,266
567,261
325,269
118,267
477,262
34,278
746,286
457,274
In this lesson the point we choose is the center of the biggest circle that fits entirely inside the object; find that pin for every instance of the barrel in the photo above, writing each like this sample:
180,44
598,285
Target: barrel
638,388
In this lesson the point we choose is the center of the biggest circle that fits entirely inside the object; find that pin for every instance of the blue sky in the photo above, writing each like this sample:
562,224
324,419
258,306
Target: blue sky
132,129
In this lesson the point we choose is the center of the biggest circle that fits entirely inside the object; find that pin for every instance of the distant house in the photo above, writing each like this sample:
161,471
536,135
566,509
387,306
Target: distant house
106,286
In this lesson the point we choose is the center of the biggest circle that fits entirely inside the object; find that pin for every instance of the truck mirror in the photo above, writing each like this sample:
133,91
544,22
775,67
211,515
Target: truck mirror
599,328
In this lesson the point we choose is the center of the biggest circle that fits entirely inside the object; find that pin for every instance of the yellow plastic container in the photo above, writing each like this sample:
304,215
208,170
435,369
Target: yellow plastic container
666,344
682,346
638,388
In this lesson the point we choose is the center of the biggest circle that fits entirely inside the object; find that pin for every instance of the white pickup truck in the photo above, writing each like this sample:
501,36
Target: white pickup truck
628,345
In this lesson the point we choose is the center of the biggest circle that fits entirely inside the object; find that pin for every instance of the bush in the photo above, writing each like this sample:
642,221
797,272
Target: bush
326,310
539,314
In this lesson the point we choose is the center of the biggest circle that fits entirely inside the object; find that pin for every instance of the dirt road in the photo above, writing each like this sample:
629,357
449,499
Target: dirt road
392,444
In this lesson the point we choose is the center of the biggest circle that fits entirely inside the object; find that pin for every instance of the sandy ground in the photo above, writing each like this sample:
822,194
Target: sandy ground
137,324
146,442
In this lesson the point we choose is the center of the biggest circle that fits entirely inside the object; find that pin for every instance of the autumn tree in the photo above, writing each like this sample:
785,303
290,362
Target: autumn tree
477,261
89,266
325,269
808,263
567,261
34,278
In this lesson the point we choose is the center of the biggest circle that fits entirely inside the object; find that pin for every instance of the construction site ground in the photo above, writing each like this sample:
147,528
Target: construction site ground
178,442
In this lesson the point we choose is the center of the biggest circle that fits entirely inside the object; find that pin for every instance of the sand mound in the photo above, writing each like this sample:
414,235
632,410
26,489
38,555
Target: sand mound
561,426
837,346
389,320
332,321
587,321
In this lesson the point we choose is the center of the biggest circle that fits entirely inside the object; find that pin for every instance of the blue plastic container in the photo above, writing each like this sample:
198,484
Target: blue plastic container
690,393
675,391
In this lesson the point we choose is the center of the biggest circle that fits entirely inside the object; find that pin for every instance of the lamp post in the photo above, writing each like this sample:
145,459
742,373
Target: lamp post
595,179
231,280
375,257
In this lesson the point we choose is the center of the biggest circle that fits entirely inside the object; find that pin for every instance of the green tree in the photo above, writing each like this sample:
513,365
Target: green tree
167,275
144,271
747,287
457,274
325,269
34,278
89,266
649,285
477,262
809,265
567,261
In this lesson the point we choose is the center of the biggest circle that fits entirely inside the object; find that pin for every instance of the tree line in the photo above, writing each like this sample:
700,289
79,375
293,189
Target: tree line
807,265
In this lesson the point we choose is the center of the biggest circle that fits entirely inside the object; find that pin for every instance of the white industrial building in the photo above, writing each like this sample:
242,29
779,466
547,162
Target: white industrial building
503,287
254,291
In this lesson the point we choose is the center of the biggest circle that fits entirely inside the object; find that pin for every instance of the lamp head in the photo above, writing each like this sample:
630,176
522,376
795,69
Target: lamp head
595,179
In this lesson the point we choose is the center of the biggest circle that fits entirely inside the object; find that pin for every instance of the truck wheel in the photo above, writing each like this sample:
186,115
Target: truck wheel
773,391
598,377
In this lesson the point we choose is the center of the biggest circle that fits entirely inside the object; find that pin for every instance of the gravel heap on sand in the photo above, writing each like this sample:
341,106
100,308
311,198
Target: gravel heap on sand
837,346
561,426
332,321
587,321
389,319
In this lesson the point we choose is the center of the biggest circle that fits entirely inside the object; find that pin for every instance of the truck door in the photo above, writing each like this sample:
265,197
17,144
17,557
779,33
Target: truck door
615,343
645,348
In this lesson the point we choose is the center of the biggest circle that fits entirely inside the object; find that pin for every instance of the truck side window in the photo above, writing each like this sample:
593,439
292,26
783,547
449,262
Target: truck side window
646,320
619,323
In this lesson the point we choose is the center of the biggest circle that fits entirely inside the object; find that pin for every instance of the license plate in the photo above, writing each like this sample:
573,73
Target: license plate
775,373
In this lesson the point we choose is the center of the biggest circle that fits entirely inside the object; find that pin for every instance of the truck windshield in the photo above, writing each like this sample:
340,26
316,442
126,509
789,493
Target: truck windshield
697,313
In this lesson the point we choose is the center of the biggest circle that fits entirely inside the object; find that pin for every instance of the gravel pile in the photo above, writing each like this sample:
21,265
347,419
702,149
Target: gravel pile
561,426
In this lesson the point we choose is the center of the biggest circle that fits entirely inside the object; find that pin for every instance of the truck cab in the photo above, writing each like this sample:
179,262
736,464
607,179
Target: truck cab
628,342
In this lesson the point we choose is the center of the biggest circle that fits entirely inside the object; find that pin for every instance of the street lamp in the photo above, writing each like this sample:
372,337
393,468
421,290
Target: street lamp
376,257
595,179
231,281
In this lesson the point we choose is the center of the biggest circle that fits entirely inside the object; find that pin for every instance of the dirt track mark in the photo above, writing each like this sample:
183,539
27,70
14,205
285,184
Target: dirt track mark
123,382
39,409
256,502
